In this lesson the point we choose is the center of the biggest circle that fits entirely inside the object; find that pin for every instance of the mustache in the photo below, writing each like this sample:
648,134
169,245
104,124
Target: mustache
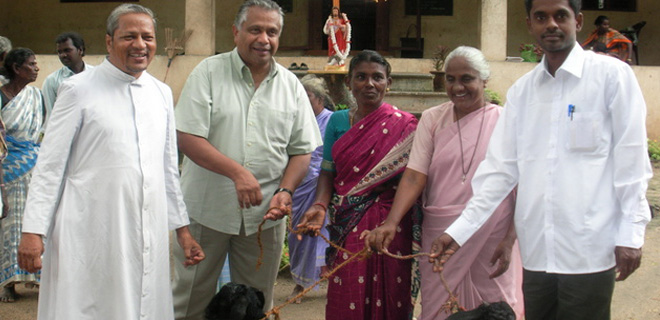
146,52
552,34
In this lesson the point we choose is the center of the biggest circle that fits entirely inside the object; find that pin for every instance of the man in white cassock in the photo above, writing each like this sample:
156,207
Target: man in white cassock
105,189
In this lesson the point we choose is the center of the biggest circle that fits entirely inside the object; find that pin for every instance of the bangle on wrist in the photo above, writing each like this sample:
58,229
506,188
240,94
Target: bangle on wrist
322,205
278,190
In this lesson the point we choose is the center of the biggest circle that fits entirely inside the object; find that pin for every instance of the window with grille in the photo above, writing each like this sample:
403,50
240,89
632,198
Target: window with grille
610,5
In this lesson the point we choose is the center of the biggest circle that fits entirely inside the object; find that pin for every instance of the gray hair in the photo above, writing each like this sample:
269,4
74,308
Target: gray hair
126,8
474,57
318,87
5,45
241,16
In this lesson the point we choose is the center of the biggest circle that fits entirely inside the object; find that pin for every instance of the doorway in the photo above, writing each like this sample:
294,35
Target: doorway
362,15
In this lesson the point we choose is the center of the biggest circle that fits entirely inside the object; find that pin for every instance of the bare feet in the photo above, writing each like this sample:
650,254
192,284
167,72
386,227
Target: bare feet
8,294
297,290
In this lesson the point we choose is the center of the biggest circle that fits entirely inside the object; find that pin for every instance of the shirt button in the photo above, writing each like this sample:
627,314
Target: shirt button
250,123
249,144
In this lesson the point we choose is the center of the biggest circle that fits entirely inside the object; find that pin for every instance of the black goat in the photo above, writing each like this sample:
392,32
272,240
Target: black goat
236,302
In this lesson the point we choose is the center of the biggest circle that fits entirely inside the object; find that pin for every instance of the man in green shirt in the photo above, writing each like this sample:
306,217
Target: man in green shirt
247,129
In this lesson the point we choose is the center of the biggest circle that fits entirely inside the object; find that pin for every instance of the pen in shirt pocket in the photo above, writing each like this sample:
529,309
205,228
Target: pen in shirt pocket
571,111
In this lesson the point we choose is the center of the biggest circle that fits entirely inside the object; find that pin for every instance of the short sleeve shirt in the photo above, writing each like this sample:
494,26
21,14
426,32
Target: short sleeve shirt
258,128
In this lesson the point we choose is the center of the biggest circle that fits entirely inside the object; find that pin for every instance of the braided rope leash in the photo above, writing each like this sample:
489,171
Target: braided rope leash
451,306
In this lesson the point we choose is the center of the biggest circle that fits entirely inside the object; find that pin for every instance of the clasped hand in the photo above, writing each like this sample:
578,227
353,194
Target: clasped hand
311,222
280,206
379,239
29,252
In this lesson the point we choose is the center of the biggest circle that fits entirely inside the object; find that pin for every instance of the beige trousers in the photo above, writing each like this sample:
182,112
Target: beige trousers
194,287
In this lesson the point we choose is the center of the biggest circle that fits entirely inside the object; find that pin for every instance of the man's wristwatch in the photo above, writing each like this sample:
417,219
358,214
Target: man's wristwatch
278,190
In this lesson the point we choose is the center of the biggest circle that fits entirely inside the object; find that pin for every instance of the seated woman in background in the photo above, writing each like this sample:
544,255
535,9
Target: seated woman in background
616,44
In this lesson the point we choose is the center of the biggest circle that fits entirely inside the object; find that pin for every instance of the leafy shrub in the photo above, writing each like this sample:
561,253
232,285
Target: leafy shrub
654,149
493,97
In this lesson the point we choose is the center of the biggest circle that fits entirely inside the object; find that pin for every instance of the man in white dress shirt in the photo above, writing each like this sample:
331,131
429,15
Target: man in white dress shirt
105,189
573,138
70,48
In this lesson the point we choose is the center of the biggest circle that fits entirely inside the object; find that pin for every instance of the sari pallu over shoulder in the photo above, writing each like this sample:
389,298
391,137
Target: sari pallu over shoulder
368,155
372,151
23,118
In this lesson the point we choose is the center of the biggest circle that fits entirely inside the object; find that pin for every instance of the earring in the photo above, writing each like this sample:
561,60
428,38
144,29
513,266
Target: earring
387,89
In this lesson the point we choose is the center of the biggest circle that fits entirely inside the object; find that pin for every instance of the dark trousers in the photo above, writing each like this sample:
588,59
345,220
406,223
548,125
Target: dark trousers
551,296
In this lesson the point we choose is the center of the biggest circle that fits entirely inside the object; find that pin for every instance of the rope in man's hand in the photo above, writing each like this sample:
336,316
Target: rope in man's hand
451,306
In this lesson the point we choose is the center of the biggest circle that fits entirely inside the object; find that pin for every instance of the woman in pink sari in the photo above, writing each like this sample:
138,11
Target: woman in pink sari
450,142
365,150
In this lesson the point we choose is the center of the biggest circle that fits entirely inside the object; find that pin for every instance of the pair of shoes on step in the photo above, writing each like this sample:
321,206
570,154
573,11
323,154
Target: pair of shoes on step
295,66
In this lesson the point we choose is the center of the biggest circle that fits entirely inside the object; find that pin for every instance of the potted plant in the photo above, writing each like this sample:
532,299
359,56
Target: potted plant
439,55
530,52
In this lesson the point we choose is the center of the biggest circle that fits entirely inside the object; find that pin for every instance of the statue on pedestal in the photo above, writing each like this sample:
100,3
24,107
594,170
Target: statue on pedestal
338,29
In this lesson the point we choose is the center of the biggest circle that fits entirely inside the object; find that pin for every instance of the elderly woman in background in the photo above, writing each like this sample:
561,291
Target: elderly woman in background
365,150
23,115
5,47
450,142
307,256
615,44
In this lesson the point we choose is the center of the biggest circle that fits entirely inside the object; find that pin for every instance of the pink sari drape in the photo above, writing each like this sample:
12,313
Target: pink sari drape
367,157
467,272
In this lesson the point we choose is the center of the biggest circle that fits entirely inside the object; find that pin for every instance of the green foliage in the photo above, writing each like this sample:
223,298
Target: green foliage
654,150
493,97
530,52
284,262
439,56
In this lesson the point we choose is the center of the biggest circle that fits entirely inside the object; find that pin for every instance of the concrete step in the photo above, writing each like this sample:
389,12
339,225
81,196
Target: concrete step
412,82
398,64
401,81
415,102
410,91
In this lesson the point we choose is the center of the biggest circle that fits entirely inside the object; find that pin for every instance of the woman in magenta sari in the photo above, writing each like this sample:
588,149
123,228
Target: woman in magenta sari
365,150
450,142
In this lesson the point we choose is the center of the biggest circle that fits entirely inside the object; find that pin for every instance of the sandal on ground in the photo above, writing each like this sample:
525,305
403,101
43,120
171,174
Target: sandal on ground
294,66
304,66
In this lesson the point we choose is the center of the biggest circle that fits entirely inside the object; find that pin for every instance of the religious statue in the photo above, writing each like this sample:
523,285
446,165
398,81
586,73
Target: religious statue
338,29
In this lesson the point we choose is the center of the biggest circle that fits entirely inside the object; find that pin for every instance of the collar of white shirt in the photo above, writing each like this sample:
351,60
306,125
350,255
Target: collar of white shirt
573,64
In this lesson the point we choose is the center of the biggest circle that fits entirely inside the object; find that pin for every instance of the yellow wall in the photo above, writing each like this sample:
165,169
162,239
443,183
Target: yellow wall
36,23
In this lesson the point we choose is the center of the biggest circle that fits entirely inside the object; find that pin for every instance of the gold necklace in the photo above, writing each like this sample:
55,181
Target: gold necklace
460,141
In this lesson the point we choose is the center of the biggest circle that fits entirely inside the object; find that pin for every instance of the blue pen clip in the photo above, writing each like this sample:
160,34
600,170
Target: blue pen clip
571,110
